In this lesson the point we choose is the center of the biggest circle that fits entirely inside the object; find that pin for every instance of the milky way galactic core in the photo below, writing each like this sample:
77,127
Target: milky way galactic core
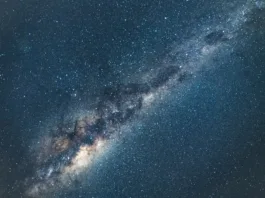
70,148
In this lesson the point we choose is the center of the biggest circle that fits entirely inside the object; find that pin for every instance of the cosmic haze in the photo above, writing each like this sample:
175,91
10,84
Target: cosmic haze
132,99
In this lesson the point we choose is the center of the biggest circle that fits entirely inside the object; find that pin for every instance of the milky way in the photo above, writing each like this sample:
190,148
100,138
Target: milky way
71,148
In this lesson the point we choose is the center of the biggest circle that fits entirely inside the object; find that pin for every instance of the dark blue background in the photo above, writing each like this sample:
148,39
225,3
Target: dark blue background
210,143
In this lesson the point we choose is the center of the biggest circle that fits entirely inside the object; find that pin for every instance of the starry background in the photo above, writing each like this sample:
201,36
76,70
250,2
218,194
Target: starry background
57,53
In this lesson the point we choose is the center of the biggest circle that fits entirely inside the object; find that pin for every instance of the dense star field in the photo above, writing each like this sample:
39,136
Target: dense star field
132,99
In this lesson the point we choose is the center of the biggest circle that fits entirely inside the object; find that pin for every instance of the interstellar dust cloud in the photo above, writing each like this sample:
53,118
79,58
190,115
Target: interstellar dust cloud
73,146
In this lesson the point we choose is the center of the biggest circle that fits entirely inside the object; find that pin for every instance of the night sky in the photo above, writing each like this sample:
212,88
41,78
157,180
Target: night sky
132,99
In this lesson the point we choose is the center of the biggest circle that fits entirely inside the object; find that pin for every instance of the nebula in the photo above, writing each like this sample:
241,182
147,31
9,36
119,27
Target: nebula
73,146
